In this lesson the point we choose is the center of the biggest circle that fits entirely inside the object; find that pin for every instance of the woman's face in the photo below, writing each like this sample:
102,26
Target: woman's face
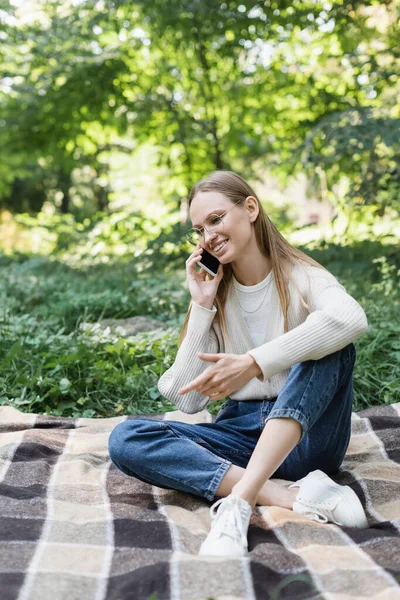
235,231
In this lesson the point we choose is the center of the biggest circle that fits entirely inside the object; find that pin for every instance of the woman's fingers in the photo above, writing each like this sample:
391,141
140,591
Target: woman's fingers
193,260
191,263
194,257
217,396
202,274
212,387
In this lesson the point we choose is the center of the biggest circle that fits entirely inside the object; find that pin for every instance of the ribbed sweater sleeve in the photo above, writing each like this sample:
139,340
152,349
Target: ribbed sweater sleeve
336,319
200,337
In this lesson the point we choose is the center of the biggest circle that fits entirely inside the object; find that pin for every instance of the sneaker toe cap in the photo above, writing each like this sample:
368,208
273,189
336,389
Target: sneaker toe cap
351,515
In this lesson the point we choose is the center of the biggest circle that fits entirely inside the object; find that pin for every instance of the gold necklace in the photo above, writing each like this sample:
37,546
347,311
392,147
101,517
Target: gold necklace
253,311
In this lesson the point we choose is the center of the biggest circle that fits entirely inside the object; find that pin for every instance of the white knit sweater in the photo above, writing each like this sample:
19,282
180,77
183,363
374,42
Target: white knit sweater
336,319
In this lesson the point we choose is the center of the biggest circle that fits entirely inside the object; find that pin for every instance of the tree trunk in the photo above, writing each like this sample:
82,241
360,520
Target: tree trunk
102,198
64,182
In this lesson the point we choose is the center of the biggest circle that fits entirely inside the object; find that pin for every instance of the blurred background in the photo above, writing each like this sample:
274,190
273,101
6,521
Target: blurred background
110,111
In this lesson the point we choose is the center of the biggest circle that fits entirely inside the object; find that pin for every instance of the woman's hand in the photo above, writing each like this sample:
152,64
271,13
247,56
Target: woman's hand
202,290
228,373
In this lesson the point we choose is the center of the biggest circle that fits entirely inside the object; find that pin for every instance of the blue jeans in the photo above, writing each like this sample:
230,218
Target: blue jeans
195,457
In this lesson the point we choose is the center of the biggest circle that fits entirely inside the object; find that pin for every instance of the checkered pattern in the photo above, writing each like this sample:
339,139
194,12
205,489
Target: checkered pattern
74,527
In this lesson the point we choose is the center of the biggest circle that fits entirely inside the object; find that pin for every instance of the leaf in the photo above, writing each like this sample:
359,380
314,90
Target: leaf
64,384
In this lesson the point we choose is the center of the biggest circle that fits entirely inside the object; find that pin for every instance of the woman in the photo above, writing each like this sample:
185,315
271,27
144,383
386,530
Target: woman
273,333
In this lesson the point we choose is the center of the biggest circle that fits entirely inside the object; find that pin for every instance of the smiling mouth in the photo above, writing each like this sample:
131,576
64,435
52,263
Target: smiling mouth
220,246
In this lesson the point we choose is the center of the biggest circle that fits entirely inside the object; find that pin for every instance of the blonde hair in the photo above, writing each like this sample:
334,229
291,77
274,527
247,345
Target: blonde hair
271,243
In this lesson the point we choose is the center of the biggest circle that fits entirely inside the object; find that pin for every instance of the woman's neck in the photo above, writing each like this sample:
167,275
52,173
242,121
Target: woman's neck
251,270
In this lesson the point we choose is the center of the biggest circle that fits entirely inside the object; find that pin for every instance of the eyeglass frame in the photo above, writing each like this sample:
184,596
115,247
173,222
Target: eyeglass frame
205,228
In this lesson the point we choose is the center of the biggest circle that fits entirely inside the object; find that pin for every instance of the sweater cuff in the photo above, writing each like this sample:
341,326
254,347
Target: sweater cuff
200,318
270,360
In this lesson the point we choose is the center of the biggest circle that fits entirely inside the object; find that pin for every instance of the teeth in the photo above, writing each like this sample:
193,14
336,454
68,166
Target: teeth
217,248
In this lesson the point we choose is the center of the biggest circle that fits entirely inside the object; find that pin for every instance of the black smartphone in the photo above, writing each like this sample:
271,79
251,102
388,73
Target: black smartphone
209,263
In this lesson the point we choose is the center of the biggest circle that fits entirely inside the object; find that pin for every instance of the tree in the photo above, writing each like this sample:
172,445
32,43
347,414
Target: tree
211,85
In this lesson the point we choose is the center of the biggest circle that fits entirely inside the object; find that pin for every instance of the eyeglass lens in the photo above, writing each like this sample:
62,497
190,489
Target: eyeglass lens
212,223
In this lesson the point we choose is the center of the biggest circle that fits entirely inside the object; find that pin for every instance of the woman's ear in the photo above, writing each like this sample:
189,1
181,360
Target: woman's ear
252,208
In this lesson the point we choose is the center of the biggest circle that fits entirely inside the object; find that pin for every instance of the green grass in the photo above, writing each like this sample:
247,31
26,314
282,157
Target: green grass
49,365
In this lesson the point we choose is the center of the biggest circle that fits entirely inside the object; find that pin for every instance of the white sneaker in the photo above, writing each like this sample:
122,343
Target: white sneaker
321,499
230,521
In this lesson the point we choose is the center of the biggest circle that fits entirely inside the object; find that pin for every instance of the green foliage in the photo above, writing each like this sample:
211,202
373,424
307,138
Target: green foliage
45,367
362,145
210,85
371,272
103,239
48,363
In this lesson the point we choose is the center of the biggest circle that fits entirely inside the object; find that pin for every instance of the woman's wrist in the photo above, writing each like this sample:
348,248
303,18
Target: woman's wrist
254,369
207,305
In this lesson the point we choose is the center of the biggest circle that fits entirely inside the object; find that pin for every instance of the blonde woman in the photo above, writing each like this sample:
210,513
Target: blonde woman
273,333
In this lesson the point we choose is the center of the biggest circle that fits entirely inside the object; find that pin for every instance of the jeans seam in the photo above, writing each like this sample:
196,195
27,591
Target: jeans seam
291,412
349,359
204,444
264,412
216,480
195,490
207,493
224,461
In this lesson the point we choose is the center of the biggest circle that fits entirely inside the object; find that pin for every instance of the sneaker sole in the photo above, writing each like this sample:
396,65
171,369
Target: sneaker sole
214,552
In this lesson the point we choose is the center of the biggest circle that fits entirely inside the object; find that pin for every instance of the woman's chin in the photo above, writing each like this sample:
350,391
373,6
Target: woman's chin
225,256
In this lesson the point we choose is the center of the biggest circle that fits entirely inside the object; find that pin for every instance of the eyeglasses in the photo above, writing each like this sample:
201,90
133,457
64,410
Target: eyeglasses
212,223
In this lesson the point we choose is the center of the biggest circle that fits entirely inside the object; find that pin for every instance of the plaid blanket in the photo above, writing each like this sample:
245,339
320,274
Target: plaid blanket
73,527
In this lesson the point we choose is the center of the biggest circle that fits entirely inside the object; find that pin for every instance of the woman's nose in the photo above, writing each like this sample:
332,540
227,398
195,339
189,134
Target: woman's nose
209,236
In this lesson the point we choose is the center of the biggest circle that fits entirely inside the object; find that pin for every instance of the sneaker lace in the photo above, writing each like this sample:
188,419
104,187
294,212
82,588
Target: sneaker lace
228,520
317,511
